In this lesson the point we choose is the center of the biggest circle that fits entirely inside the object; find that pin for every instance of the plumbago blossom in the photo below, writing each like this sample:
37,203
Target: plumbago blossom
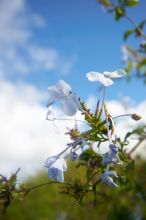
106,177
70,103
57,165
56,168
112,155
105,78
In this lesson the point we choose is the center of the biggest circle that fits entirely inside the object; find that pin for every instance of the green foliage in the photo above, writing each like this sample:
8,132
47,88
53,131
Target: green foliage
98,130
135,61
9,191
47,203
86,181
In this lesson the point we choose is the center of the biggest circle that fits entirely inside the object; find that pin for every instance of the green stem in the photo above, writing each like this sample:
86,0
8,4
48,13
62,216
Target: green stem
66,119
135,25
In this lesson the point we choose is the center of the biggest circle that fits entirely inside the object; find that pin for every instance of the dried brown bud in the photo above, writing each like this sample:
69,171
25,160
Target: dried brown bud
135,117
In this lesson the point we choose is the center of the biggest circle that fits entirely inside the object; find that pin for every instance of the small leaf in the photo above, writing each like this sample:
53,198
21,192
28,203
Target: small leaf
127,34
128,67
119,12
141,25
138,32
131,3
105,3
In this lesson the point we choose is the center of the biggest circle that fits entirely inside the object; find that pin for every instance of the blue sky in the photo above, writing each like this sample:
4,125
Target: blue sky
85,37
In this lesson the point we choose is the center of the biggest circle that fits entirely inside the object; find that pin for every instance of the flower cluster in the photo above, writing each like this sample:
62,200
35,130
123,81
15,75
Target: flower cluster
101,130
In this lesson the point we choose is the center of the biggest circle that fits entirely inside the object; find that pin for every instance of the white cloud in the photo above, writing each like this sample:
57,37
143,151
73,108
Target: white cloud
19,47
49,59
13,26
26,138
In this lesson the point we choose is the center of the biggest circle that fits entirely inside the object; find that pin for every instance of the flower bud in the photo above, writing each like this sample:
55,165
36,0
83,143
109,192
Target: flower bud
114,148
135,117
73,156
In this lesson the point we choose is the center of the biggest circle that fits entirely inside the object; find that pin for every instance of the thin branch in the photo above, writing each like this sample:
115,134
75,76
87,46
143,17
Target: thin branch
65,119
38,186
135,25
141,140
119,116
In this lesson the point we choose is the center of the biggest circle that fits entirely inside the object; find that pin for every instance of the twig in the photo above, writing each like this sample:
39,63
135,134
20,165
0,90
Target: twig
137,145
38,186
65,119
135,25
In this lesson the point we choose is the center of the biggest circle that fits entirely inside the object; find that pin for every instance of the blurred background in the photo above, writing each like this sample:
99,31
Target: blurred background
41,42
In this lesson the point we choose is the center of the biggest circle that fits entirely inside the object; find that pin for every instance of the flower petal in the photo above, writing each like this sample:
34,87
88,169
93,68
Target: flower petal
50,161
59,91
95,76
56,168
115,74
60,164
111,173
52,173
73,156
76,101
114,148
110,182
106,178
68,106
56,175
63,87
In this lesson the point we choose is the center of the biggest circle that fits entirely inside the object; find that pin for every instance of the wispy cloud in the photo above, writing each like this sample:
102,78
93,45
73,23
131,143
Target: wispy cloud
20,51
14,24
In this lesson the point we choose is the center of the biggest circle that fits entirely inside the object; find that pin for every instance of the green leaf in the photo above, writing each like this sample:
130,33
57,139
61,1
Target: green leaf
131,3
119,12
141,25
141,66
128,67
137,32
128,33
105,3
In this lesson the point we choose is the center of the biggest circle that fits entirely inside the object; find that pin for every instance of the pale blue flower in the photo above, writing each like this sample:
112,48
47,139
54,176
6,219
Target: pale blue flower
111,156
114,148
106,177
69,101
105,78
73,155
56,168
